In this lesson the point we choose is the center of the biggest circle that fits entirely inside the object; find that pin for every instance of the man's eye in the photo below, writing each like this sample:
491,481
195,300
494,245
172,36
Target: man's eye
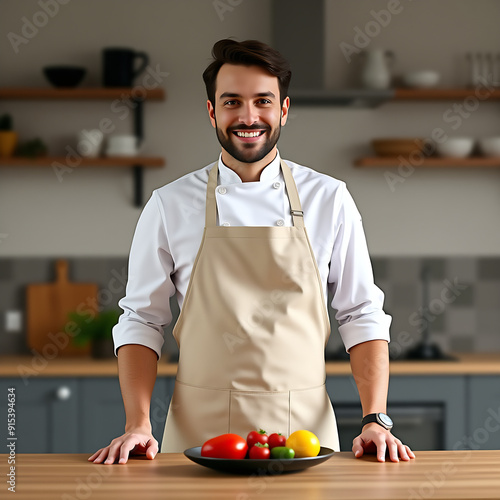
230,103
265,101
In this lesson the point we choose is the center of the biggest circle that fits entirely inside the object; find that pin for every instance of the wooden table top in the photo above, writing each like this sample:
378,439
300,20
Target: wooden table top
433,474
77,366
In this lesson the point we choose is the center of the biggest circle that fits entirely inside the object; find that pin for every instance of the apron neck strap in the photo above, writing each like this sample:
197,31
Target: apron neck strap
291,189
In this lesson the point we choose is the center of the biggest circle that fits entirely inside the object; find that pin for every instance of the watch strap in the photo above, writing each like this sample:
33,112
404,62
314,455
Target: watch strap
373,417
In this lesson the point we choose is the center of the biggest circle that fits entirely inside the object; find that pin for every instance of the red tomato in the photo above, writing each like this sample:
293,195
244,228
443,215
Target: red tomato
225,446
259,451
276,439
255,437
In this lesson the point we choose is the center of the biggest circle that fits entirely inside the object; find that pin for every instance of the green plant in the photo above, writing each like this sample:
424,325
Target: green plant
32,148
89,328
5,122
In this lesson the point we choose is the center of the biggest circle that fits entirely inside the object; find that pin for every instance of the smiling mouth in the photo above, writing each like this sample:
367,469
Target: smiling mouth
251,134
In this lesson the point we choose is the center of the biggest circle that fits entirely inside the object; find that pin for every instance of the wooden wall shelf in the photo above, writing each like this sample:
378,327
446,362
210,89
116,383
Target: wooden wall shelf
97,93
395,161
108,161
437,94
137,94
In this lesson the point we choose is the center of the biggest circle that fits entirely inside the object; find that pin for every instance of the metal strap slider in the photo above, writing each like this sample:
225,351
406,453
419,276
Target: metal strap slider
299,213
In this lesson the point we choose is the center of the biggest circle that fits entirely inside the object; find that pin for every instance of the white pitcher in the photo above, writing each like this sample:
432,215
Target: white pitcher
376,74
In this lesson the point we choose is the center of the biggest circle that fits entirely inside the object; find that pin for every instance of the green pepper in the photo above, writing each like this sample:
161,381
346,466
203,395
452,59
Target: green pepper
282,452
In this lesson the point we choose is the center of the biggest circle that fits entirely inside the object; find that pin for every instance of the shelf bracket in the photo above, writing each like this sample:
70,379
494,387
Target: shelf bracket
138,170
138,173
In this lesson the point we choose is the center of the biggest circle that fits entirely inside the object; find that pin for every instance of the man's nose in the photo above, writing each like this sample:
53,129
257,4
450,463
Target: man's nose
248,115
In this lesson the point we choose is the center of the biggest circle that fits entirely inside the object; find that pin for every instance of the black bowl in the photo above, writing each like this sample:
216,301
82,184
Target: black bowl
272,466
64,76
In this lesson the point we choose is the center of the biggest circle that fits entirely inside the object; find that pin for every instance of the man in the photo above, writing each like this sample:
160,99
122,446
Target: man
250,245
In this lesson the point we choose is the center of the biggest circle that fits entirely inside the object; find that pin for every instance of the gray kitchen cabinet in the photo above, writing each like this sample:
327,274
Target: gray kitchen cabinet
428,411
483,430
103,415
46,414
76,414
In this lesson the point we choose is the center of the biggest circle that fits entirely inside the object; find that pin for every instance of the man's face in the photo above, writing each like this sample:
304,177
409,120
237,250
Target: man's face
247,115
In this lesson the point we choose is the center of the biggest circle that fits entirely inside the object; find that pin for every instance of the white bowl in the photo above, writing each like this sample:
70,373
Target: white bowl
121,152
122,140
421,79
456,147
489,146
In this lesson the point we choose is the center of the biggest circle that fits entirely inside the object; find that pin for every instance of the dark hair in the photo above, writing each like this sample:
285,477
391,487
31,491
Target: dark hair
247,53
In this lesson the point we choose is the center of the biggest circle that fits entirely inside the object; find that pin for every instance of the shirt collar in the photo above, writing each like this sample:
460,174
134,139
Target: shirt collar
229,176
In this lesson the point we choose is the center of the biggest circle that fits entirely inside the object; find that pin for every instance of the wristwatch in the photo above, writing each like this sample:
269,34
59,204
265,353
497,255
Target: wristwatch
381,418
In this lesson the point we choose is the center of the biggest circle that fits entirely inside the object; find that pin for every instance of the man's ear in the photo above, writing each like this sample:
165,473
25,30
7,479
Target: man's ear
284,110
211,113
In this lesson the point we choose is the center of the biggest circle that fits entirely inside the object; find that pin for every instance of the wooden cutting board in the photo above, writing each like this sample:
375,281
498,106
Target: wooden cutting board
47,307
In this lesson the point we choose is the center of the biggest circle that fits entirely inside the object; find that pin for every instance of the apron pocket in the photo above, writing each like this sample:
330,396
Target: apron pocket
195,415
311,409
254,410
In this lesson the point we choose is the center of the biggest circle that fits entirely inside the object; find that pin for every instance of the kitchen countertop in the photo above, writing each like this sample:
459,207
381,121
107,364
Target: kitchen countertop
433,474
467,364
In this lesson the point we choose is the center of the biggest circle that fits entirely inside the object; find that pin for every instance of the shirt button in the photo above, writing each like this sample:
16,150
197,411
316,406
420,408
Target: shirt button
276,185
222,190
226,224
280,222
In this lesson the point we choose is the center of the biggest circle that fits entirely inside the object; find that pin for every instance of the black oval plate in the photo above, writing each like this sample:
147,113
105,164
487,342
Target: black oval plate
258,466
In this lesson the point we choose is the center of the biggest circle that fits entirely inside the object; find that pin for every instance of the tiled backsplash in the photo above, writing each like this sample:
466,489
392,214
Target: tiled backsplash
462,315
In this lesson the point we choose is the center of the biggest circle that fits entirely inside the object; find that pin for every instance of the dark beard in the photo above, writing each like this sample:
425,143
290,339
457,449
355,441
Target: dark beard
249,154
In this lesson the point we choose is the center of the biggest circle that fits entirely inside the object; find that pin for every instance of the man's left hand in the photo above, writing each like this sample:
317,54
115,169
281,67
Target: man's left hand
375,439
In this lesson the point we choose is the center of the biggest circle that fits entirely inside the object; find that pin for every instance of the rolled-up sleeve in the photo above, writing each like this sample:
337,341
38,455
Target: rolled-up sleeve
356,298
146,305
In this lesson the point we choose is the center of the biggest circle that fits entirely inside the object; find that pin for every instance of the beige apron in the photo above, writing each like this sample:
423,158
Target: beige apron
251,335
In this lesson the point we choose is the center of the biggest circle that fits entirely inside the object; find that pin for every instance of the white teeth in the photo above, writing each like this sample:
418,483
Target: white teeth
247,134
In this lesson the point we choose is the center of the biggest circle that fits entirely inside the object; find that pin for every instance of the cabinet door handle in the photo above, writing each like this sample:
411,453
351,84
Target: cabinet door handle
63,393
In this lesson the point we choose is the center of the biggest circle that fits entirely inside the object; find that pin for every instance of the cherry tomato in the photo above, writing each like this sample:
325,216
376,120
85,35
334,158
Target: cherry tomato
225,446
255,437
276,439
260,451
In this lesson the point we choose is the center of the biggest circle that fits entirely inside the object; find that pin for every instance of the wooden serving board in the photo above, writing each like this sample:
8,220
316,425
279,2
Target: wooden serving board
47,308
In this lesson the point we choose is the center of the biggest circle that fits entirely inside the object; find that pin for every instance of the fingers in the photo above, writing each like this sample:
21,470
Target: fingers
381,449
357,447
94,455
102,454
409,452
120,448
125,449
393,452
374,440
152,449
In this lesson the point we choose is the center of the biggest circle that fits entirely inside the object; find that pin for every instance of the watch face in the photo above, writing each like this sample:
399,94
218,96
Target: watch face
385,419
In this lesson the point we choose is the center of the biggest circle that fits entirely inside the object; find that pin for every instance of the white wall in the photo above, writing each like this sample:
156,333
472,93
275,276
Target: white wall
434,212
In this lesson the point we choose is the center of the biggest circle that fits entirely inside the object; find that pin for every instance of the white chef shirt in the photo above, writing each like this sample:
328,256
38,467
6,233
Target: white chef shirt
170,229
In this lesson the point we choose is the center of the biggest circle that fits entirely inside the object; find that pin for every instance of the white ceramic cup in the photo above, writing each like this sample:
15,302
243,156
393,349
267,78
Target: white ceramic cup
122,145
89,143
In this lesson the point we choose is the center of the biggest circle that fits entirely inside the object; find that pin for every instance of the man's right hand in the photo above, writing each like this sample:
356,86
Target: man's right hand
134,442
